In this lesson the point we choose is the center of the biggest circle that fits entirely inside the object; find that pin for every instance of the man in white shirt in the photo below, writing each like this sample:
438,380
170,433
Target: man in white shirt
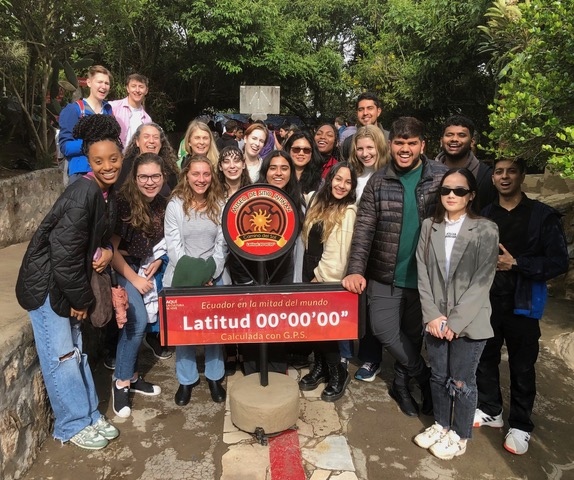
129,111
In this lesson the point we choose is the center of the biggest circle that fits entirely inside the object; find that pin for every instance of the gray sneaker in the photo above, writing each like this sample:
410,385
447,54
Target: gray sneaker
106,429
89,438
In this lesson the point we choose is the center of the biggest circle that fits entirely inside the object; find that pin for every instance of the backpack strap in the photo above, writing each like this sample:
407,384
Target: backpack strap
82,106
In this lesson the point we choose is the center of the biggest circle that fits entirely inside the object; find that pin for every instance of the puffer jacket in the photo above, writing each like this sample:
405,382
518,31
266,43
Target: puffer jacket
58,260
377,233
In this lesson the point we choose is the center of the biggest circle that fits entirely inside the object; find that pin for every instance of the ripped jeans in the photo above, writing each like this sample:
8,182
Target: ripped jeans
66,371
453,381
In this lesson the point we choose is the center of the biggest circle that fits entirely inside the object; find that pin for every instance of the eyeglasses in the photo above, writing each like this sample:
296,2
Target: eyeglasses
458,191
155,178
305,150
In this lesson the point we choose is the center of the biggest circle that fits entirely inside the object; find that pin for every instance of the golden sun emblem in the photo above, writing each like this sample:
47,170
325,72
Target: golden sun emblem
260,220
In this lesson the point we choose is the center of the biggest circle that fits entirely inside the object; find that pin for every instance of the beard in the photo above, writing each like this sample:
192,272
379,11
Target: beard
412,166
457,157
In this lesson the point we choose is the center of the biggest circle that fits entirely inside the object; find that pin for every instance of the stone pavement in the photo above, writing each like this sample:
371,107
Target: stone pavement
362,436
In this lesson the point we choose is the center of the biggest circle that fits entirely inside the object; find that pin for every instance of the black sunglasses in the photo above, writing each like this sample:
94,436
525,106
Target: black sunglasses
458,191
305,150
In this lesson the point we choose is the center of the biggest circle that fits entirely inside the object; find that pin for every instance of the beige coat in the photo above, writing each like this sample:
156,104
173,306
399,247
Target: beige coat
463,297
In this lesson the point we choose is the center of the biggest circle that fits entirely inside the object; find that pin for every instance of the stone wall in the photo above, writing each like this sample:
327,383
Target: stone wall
25,416
24,201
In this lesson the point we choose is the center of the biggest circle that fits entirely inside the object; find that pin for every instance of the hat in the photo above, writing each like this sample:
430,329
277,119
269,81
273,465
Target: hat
193,272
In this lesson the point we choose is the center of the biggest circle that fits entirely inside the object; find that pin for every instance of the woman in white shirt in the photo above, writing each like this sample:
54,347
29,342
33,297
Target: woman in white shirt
456,260
193,229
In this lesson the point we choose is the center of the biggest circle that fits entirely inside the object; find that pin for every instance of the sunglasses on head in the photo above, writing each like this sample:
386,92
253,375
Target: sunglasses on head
305,150
458,191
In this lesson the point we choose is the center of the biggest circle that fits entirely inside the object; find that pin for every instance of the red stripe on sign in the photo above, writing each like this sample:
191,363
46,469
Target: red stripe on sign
285,457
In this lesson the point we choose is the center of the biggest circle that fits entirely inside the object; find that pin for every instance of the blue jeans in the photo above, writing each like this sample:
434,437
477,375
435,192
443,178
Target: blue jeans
66,371
131,335
453,381
186,365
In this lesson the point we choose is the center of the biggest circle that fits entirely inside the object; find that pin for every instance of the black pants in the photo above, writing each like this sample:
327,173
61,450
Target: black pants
396,321
521,335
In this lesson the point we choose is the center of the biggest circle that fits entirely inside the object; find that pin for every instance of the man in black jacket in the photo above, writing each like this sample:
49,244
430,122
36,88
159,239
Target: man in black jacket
396,199
533,250
227,139
456,142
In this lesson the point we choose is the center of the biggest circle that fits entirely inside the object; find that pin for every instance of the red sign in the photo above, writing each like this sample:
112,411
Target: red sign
257,317
260,222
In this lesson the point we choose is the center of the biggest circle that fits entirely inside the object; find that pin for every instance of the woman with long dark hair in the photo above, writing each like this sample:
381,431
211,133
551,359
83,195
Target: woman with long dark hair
456,259
327,233
306,159
139,255
326,139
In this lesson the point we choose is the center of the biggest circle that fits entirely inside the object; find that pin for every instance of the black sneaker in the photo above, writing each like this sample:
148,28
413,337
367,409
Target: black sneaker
110,362
143,387
151,341
121,400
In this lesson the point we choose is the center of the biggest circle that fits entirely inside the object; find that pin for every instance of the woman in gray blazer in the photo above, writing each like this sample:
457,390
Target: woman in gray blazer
456,259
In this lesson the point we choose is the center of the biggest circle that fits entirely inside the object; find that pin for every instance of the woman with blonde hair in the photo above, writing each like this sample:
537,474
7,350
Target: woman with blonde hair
198,140
369,152
193,231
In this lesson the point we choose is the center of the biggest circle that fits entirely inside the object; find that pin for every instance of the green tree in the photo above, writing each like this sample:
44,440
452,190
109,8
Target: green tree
422,57
532,114
46,31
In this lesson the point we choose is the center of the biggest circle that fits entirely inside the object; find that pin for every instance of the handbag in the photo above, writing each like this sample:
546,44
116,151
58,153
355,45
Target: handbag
101,311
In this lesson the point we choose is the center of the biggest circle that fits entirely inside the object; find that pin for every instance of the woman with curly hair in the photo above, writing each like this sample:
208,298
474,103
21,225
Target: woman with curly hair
193,231
150,138
326,139
327,233
307,160
139,248
70,245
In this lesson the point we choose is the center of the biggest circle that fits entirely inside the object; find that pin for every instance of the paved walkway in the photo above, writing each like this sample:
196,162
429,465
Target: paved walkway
362,436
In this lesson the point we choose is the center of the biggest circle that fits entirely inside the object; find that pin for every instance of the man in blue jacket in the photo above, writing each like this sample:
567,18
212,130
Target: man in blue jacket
99,82
533,250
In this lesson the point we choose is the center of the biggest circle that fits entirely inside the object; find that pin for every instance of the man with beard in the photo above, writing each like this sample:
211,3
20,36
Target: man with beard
396,199
456,142
368,112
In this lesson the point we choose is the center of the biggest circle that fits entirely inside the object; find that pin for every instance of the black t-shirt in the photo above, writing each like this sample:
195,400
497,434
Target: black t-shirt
513,233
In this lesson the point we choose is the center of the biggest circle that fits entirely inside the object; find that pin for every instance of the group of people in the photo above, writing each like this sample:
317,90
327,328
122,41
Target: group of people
383,219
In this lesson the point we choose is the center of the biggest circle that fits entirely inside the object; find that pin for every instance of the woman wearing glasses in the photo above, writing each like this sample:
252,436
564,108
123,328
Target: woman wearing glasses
456,259
306,159
139,245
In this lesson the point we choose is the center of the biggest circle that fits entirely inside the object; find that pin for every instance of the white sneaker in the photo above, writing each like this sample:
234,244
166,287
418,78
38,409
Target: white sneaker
516,441
448,447
430,436
482,419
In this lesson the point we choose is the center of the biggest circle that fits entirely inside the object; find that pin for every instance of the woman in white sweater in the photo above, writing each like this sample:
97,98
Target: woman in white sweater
193,229
327,233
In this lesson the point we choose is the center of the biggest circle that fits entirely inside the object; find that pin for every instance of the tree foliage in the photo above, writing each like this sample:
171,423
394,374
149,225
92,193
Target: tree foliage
532,115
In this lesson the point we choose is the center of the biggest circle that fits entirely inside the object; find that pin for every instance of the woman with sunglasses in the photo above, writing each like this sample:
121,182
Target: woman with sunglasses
139,247
456,260
306,159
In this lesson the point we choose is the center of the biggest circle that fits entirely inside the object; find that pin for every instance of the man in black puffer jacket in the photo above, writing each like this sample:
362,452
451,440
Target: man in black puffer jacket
396,200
